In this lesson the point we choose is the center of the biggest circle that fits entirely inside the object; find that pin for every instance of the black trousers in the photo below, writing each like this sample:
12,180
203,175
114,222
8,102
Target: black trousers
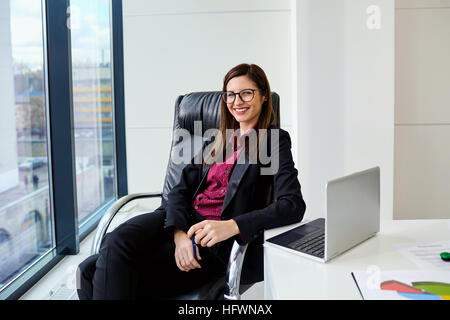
137,260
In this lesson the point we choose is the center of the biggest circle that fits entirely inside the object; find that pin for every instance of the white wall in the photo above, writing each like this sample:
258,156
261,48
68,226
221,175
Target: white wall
345,75
422,113
176,47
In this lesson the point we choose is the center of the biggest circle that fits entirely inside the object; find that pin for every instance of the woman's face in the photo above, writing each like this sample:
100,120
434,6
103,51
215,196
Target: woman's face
245,112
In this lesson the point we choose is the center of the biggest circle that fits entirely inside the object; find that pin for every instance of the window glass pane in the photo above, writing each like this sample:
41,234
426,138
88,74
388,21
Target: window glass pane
26,227
93,104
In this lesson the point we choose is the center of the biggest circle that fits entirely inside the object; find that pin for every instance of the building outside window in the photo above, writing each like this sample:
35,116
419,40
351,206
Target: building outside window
26,223
92,80
63,149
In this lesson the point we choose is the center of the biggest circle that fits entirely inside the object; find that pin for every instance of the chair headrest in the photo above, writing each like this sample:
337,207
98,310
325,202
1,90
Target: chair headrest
198,106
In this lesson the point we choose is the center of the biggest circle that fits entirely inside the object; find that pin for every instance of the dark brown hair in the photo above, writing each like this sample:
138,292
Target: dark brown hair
266,118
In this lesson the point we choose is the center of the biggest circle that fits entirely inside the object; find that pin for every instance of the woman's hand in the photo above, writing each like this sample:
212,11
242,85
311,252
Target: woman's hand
184,253
209,232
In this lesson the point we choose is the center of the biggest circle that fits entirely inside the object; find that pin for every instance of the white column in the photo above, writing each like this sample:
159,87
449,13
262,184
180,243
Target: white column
422,99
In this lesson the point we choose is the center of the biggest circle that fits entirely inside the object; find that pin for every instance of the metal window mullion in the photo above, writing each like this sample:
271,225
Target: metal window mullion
61,124
119,99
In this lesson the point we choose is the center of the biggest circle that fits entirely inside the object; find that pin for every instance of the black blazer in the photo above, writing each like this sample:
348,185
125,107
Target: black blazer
255,201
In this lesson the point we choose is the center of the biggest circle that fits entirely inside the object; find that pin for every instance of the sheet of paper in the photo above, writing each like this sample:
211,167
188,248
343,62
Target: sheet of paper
375,284
426,255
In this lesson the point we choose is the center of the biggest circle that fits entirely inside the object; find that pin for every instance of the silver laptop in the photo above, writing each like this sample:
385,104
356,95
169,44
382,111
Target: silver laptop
352,216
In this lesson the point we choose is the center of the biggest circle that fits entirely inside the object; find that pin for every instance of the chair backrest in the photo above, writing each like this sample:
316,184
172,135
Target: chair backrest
203,107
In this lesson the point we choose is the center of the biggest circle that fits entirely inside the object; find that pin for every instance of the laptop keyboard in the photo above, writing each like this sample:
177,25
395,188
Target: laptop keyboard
313,244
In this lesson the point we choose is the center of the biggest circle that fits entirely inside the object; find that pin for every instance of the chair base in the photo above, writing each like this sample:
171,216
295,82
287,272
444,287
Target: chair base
213,290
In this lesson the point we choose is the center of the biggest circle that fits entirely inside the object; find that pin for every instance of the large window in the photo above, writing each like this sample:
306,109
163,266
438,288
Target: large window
62,130
92,80
26,227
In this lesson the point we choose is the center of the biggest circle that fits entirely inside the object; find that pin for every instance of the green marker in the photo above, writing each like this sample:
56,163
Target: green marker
445,256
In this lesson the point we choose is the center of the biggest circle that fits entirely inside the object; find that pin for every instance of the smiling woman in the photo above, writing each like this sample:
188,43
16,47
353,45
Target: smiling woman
187,241
246,104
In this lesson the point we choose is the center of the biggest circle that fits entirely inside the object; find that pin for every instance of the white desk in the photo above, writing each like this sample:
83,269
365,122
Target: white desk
289,276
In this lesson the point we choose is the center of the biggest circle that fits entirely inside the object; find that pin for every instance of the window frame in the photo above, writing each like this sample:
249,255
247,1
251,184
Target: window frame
62,180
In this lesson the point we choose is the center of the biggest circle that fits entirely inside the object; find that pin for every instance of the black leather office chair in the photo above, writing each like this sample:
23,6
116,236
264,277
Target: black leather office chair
191,110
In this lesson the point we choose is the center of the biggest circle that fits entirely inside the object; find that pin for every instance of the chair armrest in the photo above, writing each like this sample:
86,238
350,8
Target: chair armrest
234,271
109,215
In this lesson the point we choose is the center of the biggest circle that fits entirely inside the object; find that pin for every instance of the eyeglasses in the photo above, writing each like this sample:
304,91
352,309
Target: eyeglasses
246,95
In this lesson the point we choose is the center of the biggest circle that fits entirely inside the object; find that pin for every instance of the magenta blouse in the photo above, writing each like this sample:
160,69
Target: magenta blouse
209,202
